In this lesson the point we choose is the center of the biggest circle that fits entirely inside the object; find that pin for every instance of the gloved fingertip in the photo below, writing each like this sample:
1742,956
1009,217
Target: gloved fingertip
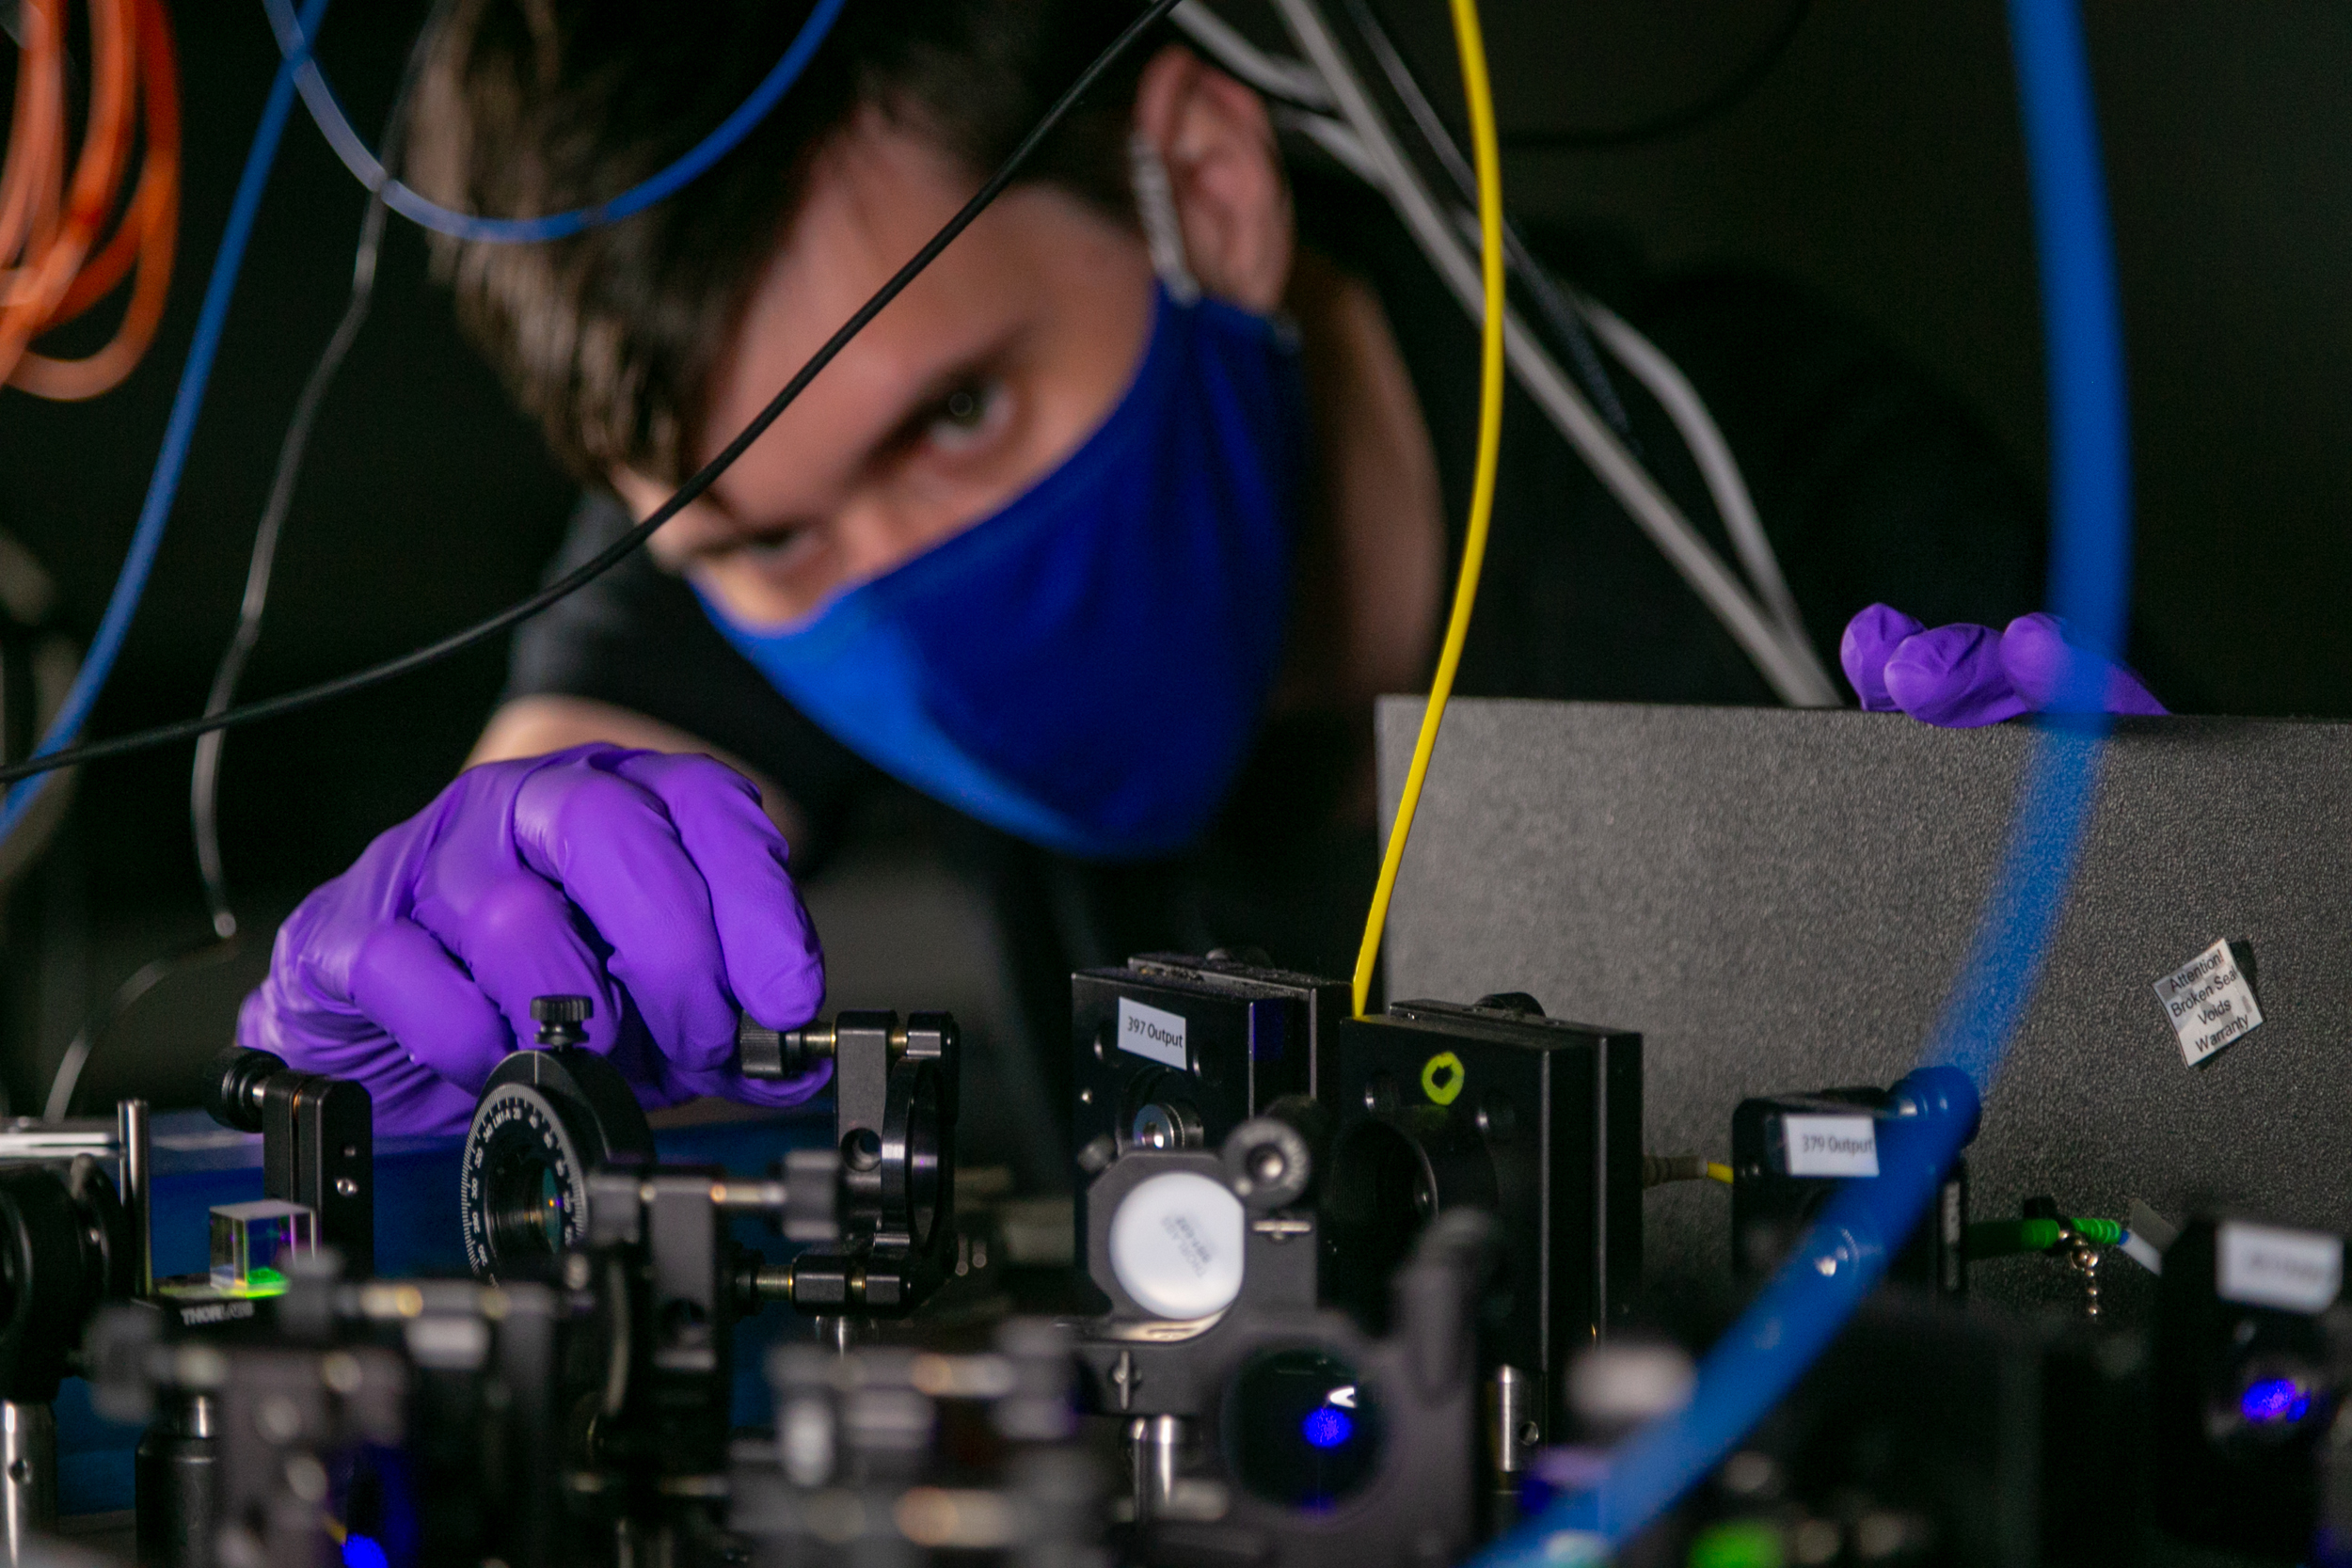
1870,639
787,989
2035,654
2129,695
1952,677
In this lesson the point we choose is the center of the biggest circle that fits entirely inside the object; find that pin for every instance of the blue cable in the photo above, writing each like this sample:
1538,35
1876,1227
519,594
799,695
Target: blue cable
1843,1257
2091,470
297,71
163,486
294,41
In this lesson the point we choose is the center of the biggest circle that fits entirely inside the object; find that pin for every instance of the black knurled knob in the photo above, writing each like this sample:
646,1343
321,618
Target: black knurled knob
773,1054
560,1017
760,1051
232,1086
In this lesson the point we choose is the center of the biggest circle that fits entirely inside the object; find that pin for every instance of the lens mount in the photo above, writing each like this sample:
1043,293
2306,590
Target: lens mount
546,1121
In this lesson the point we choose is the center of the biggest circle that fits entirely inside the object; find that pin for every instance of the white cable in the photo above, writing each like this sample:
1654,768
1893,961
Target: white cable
1283,78
1725,483
1795,677
1664,378
1552,300
1652,368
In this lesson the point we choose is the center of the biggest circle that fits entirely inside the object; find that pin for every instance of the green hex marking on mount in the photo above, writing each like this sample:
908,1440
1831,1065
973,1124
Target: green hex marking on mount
1442,1077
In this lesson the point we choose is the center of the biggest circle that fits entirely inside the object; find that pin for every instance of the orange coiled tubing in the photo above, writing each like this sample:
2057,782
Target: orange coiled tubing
52,267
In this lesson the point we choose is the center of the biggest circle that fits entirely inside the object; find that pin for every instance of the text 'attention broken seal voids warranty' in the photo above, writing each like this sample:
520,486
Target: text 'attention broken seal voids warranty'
2210,1002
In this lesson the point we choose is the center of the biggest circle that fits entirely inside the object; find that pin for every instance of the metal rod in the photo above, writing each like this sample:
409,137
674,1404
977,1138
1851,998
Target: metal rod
28,1477
772,1282
24,1139
1511,1399
131,1129
1157,1445
764,1053
837,1331
819,1038
749,1198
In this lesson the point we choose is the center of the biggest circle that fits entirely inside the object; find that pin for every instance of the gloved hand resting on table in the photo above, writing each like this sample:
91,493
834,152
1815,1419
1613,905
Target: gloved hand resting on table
652,883
1963,676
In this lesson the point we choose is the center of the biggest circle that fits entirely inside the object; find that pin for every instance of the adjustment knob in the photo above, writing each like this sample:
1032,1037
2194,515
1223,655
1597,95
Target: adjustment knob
1267,1163
232,1086
560,1017
773,1054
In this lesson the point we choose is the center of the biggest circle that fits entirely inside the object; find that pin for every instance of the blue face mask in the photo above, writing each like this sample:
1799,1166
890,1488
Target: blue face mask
1086,669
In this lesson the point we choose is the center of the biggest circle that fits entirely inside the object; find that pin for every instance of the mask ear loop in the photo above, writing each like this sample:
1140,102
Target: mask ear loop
1155,204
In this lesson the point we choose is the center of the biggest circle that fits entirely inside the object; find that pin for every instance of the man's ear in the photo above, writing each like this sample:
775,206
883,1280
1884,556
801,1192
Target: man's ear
1232,201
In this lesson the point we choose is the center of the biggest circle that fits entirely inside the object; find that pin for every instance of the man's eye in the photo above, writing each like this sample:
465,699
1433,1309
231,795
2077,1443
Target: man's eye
770,547
966,416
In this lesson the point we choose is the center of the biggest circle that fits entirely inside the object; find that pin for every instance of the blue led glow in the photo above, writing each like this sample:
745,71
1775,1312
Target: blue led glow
1326,1427
361,1552
2275,1402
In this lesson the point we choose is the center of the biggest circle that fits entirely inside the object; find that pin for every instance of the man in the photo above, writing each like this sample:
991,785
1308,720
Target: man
1109,572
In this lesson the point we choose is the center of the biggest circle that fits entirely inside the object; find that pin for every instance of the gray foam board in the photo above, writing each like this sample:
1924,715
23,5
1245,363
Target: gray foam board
1781,901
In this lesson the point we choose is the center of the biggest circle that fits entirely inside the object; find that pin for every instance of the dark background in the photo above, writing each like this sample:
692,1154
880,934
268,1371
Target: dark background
1879,164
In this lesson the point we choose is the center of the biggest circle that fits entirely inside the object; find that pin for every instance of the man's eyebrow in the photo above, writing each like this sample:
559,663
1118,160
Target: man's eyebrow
727,530
971,365
723,531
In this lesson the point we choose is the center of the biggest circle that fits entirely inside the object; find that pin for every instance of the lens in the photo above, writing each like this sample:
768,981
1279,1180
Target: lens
550,1211
528,1208
1301,1429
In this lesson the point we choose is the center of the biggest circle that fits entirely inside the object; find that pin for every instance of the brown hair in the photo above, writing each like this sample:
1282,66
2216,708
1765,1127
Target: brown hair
611,337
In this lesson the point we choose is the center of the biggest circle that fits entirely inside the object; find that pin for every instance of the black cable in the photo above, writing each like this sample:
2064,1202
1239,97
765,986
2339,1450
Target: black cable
1558,312
204,777
1688,117
66,1082
700,481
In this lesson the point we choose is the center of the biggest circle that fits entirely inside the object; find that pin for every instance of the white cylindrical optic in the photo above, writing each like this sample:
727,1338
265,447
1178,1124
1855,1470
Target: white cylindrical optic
1175,1246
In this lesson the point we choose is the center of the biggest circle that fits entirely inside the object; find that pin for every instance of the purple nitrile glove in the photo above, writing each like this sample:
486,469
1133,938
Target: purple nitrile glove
1963,676
1871,638
652,883
2034,652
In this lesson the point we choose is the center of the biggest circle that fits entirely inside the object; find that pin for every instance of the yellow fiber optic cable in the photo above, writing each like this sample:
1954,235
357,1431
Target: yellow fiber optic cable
1473,48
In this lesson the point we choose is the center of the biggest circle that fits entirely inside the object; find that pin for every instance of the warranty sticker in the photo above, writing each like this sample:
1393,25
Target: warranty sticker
2210,1002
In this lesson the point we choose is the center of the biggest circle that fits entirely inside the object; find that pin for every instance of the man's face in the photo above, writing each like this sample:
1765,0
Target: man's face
991,368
